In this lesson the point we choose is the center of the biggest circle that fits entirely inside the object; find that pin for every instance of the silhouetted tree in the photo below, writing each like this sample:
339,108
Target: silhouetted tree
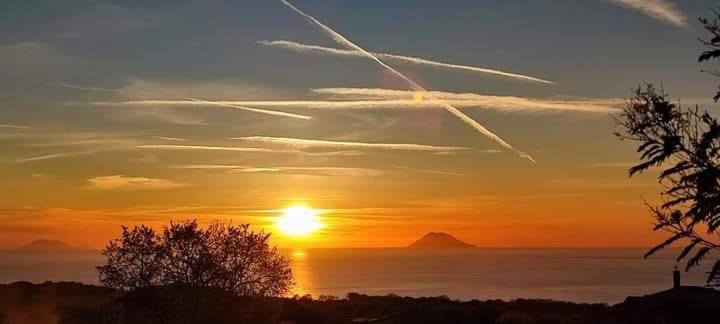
133,261
685,144
712,44
232,258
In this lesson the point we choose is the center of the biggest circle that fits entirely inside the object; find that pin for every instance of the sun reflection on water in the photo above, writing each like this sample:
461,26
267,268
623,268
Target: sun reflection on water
301,273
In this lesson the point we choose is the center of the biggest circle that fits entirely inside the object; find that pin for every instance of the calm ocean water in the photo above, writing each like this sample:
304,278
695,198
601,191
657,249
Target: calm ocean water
580,275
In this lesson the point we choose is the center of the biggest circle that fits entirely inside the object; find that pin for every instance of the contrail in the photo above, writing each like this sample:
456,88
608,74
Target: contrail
256,110
314,49
327,144
121,182
340,39
431,171
210,167
300,142
502,103
358,99
77,87
172,139
13,126
322,170
205,148
54,156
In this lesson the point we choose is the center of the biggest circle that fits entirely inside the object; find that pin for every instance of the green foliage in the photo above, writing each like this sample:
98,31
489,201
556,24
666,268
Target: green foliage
232,258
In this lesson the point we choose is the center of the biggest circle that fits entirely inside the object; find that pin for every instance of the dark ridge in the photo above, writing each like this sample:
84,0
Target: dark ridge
76,303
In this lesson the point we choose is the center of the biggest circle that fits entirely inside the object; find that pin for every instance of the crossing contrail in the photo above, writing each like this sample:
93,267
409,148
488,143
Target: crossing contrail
255,110
302,142
362,98
320,50
341,40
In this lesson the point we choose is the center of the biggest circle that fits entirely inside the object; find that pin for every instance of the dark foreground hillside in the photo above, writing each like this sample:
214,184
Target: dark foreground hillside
25,303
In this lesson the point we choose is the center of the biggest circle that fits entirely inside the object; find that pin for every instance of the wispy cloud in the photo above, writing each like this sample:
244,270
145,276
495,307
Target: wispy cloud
255,110
126,91
661,10
319,171
116,142
111,6
210,167
246,150
438,172
506,103
139,89
325,170
340,39
145,158
54,156
167,138
611,165
314,49
359,99
206,148
69,35
162,115
8,126
83,88
299,142
121,182
322,170
309,104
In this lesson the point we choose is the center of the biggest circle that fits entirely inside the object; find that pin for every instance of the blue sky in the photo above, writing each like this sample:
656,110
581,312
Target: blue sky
590,47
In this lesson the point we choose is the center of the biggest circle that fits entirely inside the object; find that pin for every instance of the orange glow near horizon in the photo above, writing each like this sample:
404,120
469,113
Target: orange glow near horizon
368,219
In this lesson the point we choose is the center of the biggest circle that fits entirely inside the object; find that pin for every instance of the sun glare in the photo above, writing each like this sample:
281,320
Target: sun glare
299,221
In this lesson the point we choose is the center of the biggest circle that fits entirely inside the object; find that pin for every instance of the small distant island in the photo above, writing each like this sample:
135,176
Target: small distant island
439,240
45,246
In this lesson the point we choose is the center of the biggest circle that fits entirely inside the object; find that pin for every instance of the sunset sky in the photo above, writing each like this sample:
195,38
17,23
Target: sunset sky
134,111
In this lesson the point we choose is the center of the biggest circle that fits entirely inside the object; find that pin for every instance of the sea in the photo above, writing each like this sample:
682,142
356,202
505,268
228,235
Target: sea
577,275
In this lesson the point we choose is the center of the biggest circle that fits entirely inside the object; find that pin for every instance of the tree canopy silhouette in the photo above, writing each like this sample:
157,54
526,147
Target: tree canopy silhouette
712,44
685,144
225,256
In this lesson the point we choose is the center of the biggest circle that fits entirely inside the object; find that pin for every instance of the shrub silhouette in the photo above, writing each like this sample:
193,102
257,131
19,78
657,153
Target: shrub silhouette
223,256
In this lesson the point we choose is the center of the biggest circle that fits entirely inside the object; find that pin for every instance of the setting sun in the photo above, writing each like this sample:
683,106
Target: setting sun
299,221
